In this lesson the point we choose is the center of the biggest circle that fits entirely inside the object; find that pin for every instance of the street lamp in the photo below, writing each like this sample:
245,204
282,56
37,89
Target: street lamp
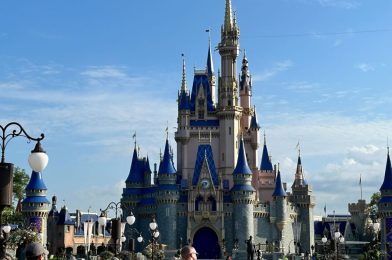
154,235
38,160
117,230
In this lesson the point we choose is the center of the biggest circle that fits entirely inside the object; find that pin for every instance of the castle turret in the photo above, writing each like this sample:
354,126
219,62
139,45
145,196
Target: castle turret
303,199
243,197
264,180
385,208
281,215
166,199
245,94
35,207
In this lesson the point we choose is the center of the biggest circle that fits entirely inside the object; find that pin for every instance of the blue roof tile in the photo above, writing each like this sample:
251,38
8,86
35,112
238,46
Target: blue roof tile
166,165
254,123
201,81
387,184
204,123
279,191
266,164
36,199
36,182
210,64
245,187
205,151
184,101
242,165
136,173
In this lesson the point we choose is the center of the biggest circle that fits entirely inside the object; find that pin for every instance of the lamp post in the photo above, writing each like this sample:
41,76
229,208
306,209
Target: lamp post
117,232
37,161
154,236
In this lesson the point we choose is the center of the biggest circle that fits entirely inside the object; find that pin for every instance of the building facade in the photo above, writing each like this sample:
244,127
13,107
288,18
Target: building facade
218,194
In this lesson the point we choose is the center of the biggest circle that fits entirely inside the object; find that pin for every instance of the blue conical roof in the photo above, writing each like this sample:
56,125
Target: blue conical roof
210,64
136,172
184,101
166,165
36,182
242,164
266,164
387,184
147,166
254,123
279,191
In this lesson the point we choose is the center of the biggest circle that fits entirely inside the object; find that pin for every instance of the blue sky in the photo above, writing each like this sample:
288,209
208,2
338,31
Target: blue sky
90,73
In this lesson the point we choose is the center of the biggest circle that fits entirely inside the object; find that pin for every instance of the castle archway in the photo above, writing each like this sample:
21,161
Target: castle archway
206,243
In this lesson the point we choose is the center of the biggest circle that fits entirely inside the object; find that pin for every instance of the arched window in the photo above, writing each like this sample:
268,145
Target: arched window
199,199
212,202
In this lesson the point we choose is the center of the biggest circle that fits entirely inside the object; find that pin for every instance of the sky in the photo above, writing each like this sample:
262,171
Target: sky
89,74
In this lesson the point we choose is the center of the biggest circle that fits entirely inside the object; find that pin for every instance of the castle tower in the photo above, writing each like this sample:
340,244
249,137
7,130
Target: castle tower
183,134
281,215
264,180
228,111
35,207
385,209
243,198
167,196
303,199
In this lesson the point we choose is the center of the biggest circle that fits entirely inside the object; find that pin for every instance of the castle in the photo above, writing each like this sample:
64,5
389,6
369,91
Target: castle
219,194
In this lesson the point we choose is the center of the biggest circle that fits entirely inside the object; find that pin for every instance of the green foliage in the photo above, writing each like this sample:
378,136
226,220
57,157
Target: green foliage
22,236
372,207
374,199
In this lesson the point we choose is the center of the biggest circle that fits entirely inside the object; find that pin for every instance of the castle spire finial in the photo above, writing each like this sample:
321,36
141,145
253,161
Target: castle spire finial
134,138
228,16
183,83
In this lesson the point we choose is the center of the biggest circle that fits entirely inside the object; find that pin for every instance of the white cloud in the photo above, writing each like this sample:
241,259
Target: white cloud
269,73
104,72
364,67
346,4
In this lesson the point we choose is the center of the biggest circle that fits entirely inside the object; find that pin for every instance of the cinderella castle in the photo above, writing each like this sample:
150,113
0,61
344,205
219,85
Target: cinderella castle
221,191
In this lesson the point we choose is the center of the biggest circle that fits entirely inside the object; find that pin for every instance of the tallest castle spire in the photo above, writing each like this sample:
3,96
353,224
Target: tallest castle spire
228,16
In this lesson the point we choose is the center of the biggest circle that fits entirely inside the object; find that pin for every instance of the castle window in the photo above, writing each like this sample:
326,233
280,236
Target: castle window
223,157
229,103
198,201
229,130
167,212
212,202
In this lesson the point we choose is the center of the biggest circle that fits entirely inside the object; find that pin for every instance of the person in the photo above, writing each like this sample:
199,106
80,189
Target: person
35,251
249,248
68,254
229,258
188,253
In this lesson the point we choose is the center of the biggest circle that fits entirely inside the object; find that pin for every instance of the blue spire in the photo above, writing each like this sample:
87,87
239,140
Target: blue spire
166,165
279,191
242,165
266,164
147,166
36,182
210,64
387,184
136,172
253,121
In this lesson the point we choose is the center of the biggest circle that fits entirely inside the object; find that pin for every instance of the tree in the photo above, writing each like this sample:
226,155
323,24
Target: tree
20,182
372,207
